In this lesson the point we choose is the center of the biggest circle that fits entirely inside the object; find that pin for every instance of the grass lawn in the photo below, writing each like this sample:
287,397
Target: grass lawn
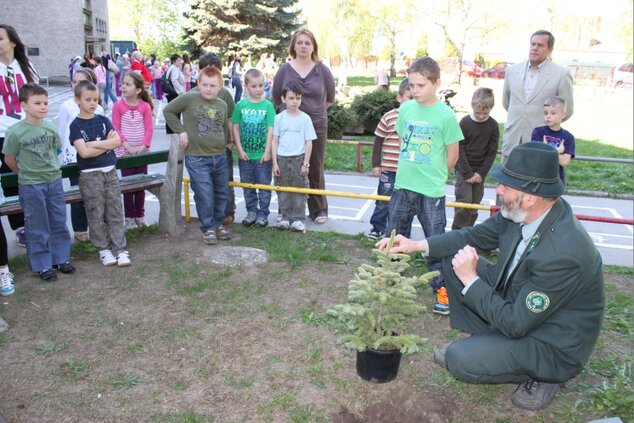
177,338
581,175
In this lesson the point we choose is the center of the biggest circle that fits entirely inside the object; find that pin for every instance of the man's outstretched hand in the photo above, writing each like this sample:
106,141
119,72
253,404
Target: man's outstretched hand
401,245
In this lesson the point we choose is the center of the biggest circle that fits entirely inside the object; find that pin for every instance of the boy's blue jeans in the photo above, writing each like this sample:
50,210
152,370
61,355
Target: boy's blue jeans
48,239
209,178
254,172
406,204
382,208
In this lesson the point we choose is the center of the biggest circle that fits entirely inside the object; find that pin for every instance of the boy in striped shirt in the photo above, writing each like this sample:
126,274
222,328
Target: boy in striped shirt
385,155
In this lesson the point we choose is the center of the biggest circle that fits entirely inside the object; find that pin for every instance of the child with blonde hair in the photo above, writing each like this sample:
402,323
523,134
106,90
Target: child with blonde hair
252,121
132,119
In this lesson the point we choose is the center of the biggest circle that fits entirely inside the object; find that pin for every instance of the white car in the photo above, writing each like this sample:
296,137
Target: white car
623,76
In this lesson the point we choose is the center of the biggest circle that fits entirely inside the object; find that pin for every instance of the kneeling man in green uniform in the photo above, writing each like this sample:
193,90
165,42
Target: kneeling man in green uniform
534,316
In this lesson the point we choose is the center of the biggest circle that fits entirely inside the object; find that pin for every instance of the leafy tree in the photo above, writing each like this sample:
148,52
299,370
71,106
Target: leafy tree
390,19
251,27
153,24
464,22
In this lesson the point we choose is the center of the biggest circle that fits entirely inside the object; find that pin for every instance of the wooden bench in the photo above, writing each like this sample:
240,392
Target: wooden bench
167,186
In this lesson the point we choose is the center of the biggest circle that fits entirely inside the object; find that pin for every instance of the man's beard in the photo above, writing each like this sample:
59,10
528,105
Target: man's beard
513,211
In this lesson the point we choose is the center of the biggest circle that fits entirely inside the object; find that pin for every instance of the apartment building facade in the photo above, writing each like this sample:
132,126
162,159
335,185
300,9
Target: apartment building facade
57,31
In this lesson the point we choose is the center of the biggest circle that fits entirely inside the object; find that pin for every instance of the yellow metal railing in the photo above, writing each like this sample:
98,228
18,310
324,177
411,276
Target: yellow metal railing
326,192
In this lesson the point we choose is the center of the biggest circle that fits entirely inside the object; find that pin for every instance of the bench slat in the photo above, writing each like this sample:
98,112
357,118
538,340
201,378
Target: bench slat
128,184
153,157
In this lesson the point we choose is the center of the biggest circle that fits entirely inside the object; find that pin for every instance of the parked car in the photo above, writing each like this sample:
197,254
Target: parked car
497,71
623,76
469,68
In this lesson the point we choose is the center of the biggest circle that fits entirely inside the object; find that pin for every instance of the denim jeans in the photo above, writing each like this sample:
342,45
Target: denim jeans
231,198
209,180
406,204
382,208
254,172
48,239
237,84
109,92
77,212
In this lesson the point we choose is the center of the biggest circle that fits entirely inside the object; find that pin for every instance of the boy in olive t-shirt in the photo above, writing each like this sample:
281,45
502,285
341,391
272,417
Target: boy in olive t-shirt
30,150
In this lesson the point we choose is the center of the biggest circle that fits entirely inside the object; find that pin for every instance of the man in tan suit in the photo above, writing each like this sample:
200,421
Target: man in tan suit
527,85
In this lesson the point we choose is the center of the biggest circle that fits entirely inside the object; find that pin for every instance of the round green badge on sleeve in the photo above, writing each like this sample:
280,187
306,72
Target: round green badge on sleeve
537,301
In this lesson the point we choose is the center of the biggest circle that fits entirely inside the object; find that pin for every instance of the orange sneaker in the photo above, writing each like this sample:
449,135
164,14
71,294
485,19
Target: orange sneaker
442,302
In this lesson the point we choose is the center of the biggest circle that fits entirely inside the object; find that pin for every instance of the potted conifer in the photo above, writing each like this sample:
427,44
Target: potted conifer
380,301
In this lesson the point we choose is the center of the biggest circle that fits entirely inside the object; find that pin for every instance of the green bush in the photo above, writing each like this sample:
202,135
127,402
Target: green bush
339,118
372,106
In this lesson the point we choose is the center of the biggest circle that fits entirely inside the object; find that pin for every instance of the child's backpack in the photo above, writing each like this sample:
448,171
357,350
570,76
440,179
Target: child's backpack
167,85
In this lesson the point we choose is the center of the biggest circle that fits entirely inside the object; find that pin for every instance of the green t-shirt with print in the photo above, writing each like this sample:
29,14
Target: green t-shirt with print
35,147
426,131
254,119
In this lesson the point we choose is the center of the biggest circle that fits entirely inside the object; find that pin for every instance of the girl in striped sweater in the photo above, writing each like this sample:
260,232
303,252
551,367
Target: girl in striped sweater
132,119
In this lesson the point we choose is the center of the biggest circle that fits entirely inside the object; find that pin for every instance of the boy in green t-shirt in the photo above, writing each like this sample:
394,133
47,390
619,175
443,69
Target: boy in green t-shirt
252,121
429,136
30,150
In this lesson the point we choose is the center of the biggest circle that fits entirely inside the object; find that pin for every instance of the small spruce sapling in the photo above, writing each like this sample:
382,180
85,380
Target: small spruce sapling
380,299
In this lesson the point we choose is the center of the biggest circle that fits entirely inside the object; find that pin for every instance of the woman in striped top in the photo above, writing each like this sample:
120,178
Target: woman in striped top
132,119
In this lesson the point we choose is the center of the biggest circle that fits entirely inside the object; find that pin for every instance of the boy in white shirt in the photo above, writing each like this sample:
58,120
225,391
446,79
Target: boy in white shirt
293,133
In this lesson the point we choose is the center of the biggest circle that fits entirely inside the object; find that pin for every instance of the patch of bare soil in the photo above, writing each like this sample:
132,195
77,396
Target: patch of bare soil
176,338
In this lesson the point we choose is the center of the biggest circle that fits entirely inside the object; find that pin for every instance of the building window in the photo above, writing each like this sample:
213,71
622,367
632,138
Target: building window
33,51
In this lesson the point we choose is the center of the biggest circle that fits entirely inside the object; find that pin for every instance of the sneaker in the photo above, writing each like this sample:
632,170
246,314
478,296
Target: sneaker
107,258
123,259
284,224
279,218
48,275
20,237
229,219
223,233
442,302
261,223
250,219
533,395
6,284
82,236
130,223
373,235
65,267
321,219
140,222
439,357
298,226
209,237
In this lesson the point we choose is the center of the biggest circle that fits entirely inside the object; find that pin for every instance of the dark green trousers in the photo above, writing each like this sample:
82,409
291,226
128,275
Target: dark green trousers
487,356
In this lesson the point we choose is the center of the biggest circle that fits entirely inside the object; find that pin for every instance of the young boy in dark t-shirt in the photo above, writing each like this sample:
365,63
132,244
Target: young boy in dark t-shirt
553,134
95,140
476,155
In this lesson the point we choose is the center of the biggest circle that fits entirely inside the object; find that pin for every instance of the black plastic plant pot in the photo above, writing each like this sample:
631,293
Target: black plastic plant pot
378,366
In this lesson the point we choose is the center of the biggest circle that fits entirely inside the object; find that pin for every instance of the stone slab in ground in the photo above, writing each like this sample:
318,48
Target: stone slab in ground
235,256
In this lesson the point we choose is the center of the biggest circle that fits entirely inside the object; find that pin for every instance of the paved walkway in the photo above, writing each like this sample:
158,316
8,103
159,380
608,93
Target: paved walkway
352,216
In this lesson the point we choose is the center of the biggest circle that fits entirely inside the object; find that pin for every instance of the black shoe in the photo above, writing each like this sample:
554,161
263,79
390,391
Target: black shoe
48,275
373,235
65,267
533,395
439,357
